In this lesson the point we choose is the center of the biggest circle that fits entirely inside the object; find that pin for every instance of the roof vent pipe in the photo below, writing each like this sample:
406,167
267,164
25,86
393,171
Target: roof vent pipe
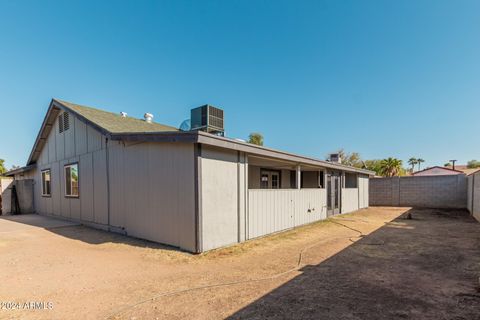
123,114
148,117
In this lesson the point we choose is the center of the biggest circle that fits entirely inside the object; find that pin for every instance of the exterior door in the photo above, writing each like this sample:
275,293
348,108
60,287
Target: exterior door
333,193
269,179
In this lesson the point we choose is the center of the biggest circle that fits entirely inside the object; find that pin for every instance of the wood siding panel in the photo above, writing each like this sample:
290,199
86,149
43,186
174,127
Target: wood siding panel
69,136
276,210
64,201
349,200
80,137
68,147
56,189
158,192
100,195
59,143
118,184
87,188
94,140
52,151
219,197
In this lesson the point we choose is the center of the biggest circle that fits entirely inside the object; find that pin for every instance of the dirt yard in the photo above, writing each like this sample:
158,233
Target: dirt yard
373,264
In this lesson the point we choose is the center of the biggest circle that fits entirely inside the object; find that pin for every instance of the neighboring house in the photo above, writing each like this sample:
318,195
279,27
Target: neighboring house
190,189
437,171
465,169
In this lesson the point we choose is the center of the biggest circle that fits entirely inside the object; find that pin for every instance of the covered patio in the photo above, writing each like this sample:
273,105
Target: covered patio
284,194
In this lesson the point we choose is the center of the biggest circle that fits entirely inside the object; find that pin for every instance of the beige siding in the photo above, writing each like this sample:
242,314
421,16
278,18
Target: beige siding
71,147
85,168
363,191
220,191
100,189
254,177
151,184
349,200
152,192
276,210
80,137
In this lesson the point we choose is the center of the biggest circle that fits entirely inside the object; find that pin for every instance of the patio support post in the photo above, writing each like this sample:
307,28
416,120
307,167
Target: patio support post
299,177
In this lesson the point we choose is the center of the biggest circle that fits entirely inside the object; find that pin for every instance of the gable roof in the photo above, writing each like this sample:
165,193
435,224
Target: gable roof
465,169
108,123
116,127
113,123
437,167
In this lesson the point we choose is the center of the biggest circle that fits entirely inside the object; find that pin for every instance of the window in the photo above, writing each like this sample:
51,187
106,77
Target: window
350,180
46,184
269,179
71,180
275,182
264,181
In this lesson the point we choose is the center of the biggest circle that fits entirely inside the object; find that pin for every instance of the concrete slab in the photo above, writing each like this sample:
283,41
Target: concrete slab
13,223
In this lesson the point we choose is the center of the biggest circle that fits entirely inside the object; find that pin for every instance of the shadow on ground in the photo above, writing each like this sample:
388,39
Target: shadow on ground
76,231
424,268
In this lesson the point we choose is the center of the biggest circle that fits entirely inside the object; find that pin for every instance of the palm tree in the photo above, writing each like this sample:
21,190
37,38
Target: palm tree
391,167
413,161
419,162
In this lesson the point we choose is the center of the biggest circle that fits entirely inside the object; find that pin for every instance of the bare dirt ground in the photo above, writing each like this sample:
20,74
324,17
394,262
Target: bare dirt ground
372,264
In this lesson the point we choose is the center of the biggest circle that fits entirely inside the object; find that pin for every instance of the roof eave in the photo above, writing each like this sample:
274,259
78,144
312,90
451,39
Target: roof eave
57,105
222,142
13,172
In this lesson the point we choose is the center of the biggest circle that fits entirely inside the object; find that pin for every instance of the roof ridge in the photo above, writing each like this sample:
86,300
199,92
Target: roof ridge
69,105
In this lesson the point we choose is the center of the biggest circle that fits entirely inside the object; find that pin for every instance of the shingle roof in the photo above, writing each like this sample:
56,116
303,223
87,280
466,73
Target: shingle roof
113,122
115,127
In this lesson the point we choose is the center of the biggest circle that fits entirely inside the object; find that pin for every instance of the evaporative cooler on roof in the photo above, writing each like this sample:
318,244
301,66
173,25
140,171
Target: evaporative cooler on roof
208,118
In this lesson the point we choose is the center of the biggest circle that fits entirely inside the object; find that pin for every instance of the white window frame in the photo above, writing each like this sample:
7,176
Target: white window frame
71,195
44,194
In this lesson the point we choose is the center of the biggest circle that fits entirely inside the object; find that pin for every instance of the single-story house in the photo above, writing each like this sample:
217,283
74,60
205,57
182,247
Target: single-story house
465,169
437,171
190,189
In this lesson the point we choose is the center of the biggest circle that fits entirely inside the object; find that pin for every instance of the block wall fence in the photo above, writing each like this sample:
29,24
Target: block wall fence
421,191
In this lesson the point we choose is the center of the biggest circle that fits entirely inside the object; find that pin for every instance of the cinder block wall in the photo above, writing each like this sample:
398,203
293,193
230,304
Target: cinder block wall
473,204
421,191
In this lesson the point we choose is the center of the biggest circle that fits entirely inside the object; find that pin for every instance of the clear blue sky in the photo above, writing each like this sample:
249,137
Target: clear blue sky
384,78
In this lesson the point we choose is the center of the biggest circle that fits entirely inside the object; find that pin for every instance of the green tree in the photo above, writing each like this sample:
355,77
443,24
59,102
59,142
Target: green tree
2,167
413,161
391,167
373,165
419,162
448,164
473,164
350,159
256,138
